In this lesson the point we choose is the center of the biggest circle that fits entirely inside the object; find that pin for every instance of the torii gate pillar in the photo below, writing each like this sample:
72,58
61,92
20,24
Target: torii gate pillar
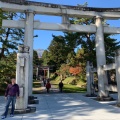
48,72
101,58
28,41
117,61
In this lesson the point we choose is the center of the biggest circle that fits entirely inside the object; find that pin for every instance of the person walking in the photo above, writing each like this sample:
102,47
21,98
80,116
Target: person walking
12,92
60,86
48,86
44,82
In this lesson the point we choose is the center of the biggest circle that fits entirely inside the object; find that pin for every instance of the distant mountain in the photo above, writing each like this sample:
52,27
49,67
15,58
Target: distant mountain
39,52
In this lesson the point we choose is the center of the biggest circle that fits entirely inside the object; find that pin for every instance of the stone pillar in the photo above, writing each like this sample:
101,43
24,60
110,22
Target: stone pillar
28,41
22,72
37,73
117,61
92,83
92,79
101,59
48,72
88,79
65,19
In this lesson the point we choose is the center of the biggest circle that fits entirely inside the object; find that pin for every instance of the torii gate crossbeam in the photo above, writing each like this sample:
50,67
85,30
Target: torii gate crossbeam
57,11
60,27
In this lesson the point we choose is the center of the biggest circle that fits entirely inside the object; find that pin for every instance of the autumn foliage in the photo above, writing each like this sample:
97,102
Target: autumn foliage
75,70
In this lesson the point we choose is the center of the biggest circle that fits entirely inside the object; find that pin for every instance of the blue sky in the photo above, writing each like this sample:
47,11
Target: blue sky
44,37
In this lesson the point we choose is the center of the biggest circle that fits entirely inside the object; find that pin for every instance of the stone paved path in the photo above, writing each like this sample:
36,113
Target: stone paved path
70,106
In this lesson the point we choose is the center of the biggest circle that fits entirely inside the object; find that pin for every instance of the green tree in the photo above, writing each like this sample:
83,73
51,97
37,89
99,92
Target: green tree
45,58
36,60
10,37
111,45
8,67
57,51
71,59
64,71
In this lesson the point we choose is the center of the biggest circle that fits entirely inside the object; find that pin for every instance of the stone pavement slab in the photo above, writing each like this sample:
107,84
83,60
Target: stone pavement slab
68,106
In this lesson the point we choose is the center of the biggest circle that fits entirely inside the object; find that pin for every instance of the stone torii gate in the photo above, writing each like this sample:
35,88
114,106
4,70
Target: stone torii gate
29,24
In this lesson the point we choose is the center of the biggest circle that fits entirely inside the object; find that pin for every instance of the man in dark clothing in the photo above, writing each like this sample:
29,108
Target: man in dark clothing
60,86
11,93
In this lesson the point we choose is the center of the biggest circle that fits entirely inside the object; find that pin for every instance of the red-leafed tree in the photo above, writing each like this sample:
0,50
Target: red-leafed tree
75,70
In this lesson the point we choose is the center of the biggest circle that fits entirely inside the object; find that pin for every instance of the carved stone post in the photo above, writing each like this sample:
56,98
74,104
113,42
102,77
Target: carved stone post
22,76
92,80
37,72
88,79
48,72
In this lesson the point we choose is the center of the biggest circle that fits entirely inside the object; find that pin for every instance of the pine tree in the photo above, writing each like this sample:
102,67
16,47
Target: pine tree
58,51
10,37
8,67
111,45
